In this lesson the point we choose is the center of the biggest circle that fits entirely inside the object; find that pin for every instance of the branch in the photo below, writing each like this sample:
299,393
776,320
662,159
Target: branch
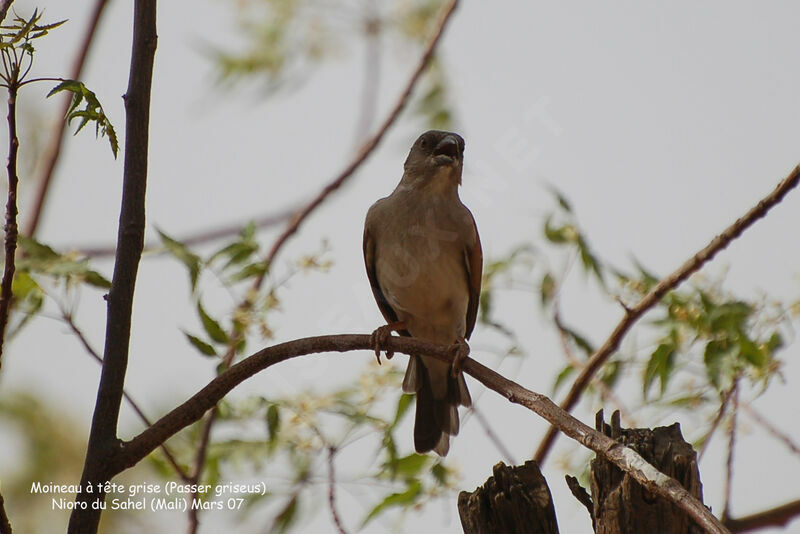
332,492
4,7
774,517
369,146
103,441
53,151
133,451
772,429
5,524
11,229
705,255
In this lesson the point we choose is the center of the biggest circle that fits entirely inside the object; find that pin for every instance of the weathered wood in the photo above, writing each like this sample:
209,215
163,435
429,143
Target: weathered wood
622,505
515,500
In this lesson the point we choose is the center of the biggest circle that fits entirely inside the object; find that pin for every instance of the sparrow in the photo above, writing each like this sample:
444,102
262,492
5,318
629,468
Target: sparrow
424,261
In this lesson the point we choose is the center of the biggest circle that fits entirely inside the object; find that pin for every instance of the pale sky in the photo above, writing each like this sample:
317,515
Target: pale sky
661,123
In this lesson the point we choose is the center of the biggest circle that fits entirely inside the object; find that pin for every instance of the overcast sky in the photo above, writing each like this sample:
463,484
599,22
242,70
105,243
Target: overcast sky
661,123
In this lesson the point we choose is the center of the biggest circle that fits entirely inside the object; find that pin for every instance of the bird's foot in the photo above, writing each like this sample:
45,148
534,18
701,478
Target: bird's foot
460,351
379,338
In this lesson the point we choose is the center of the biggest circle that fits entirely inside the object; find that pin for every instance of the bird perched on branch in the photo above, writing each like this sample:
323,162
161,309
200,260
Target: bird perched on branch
424,261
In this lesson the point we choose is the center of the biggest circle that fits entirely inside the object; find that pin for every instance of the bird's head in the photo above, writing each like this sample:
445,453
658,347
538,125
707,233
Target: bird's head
436,151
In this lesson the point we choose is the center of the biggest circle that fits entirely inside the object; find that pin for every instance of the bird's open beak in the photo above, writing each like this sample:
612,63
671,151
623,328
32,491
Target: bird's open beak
447,151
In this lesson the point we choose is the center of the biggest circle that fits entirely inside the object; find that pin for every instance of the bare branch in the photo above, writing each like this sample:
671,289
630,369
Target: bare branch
772,429
11,229
774,517
103,441
691,266
493,437
726,506
332,492
626,459
51,154
5,5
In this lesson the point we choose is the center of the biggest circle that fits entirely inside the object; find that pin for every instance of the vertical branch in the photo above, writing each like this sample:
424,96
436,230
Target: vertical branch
52,152
726,508
103,442
11,229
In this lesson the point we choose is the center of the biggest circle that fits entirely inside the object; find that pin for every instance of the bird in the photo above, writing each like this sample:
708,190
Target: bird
424,262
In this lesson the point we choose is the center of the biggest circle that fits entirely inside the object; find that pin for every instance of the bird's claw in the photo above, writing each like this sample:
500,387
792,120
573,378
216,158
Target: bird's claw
378,340
460,351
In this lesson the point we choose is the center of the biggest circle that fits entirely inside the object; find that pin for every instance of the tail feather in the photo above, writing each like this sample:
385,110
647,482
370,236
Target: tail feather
436,419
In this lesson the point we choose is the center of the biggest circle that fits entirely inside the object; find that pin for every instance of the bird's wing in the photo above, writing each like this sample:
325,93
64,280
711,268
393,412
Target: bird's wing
369,260
473,261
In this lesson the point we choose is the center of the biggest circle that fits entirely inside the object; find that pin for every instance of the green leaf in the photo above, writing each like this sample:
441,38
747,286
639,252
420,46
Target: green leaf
211,326
409,466
562,200
403,404
403,499
559,234
93,278
286,518
36,250
204,348
714,359
273,423
562,377
92,112
547,289
752,353
182,253
660,365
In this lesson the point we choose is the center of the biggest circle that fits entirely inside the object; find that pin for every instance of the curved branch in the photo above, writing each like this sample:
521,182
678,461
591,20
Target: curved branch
659,290
370,144
192,410
774,517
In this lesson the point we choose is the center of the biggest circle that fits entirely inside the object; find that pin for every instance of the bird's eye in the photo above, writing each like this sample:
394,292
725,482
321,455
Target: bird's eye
423,143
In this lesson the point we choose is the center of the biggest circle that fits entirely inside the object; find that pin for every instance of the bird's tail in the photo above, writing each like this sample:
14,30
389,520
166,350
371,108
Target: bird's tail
437,411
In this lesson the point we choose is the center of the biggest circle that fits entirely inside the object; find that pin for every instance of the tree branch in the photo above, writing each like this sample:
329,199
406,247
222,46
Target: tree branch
192,410
774,517
332,492
5,5
717,244
11,229
51,154
103,441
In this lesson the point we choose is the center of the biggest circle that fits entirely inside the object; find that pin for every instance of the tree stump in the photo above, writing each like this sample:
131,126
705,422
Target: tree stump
515,500
621,505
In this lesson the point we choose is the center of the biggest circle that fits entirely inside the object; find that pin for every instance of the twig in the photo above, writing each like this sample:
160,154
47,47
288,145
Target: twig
774,517
723,406
11,228
51,154
493,437
138,411
198,238
300,215
103,441
654,296
332,492
726,507
4,7
369,146
772,429
372,70
131,452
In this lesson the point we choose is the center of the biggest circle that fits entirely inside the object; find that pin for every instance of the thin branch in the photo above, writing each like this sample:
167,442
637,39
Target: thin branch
369,146
67,317
691,266
300,215
133,451
726,507
772,429
200,237
332,492
103,441
493,437
51,154
4,7
774,517
11,229
723,406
